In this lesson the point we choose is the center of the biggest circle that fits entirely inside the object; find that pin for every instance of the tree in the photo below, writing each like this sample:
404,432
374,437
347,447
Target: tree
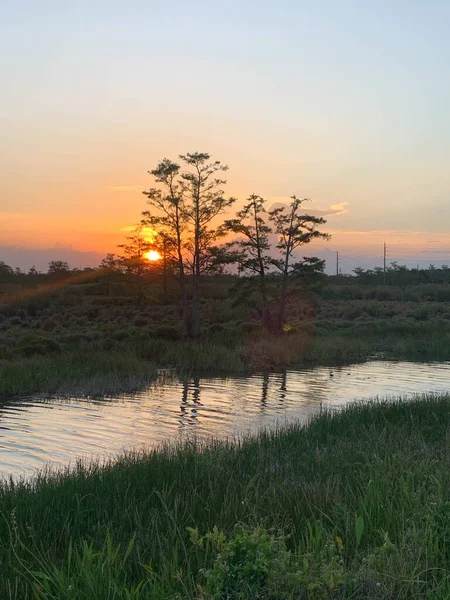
111,262
359,272
294,229
6,272
212,257
250,249
182,215
134,251
203,201
58,268
33,272
169,225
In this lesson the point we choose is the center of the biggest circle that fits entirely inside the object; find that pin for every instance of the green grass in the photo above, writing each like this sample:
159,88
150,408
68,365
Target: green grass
391,341
357,505
75,373
97,368
95,372
119,339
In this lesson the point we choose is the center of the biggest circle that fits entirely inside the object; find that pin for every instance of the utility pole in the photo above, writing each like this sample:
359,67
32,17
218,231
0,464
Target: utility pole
337,263
384,263
417,273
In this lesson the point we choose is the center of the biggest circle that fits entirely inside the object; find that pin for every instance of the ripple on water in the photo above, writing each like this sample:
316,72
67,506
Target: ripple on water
37,431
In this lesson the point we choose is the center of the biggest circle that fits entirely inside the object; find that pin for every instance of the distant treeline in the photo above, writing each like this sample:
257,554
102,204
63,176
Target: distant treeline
397,274
112,264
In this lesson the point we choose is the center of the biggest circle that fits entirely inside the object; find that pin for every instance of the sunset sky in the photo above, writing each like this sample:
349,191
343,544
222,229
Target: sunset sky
343,102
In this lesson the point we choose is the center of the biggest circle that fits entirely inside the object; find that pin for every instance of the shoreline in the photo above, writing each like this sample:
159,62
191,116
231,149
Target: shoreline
326,491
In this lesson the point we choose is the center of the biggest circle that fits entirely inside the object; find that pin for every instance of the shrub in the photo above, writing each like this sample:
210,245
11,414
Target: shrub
216,328
251,327
120,335
140,321
268,351
167,332
30,346
36,304
256,565
49,325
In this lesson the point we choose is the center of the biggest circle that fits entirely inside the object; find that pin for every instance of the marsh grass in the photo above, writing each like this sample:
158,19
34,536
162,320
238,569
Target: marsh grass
356,505
130,364
75,373
119,340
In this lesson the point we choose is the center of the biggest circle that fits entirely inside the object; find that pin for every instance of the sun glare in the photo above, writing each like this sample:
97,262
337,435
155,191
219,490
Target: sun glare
153,255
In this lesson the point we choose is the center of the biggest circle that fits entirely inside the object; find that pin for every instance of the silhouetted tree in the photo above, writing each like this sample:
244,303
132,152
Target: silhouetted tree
294,229
166,217
203,201
251,249
58,268
33,272
6,272
134,251
111,262
182,215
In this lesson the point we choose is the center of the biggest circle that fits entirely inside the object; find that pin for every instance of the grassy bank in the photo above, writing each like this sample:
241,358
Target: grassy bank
75,373
102,372
80,339
100,368
355,506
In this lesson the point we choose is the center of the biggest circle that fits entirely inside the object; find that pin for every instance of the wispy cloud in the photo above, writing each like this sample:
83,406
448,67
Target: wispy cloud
339,209
335,209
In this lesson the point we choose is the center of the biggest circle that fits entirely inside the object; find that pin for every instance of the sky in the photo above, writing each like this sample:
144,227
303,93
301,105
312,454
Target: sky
346,103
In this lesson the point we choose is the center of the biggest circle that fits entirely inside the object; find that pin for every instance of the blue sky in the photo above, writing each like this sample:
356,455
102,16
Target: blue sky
341,102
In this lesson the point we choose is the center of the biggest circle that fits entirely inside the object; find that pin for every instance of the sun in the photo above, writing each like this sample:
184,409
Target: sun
152,255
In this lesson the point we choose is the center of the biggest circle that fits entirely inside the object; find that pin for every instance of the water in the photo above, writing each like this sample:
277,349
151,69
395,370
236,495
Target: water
35,432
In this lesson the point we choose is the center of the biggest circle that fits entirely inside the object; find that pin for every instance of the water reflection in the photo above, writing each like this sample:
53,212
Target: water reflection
265,390
39,430
189,410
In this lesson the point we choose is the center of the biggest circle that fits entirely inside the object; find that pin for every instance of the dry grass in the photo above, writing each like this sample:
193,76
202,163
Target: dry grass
268,351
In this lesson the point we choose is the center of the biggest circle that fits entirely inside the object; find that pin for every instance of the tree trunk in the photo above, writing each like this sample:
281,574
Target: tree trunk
262,271
284,285
182,279
184,308
283,302
165,298
196,295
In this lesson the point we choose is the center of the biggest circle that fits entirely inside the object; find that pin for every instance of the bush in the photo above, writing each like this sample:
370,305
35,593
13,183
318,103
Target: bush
269,351
251,327
167,332
256,565
120,335
31,346
49,325
36,304
216,328
140,321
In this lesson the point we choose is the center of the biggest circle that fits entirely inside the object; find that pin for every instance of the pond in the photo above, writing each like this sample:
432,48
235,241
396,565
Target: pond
46,431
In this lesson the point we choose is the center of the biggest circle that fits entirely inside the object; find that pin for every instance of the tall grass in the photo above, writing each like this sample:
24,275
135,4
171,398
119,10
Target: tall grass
356,505
127,365
79,373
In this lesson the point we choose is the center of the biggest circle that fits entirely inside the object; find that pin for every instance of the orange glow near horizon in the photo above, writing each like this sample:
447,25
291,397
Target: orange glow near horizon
153,255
